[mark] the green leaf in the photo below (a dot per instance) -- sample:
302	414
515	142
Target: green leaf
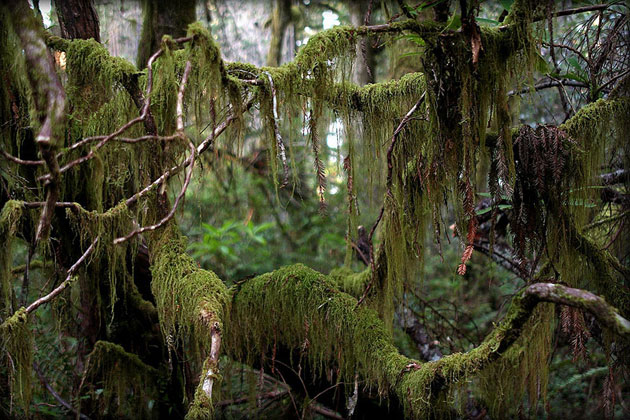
507	4
483	211
491	22
541	64
573	62
454	23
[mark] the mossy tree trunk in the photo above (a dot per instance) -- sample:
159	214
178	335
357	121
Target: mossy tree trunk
280	20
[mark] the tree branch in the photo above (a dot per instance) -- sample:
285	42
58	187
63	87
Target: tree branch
50	296
355	338
49	99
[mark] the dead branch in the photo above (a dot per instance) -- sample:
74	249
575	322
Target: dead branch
213	359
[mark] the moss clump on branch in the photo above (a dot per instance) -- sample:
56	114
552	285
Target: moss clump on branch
189	299
302	309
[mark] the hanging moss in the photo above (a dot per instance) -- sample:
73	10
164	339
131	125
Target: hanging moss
9	223
128	387
523	370
16	343
107	226
301	309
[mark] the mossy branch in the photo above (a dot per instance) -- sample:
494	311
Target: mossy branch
302	309
49	99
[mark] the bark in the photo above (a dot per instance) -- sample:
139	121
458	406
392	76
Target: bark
78	19
364	62
163	17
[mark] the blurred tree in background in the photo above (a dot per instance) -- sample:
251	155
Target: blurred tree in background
444	184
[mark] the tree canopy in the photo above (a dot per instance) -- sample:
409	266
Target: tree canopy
443	164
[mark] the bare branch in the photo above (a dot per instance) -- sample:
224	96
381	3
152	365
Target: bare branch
213	360
50	296
21	161
549	84
55	394
602	311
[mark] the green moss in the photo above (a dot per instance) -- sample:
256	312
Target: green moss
301	309
92	73
127	385
350	282
189	300
202	407
9	223
16	344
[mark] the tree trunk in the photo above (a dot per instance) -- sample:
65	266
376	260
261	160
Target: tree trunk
279	22
78	19
163	17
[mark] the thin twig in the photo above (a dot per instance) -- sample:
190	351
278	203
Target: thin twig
55	394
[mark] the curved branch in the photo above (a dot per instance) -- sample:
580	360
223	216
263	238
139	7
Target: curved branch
306	311
49	99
